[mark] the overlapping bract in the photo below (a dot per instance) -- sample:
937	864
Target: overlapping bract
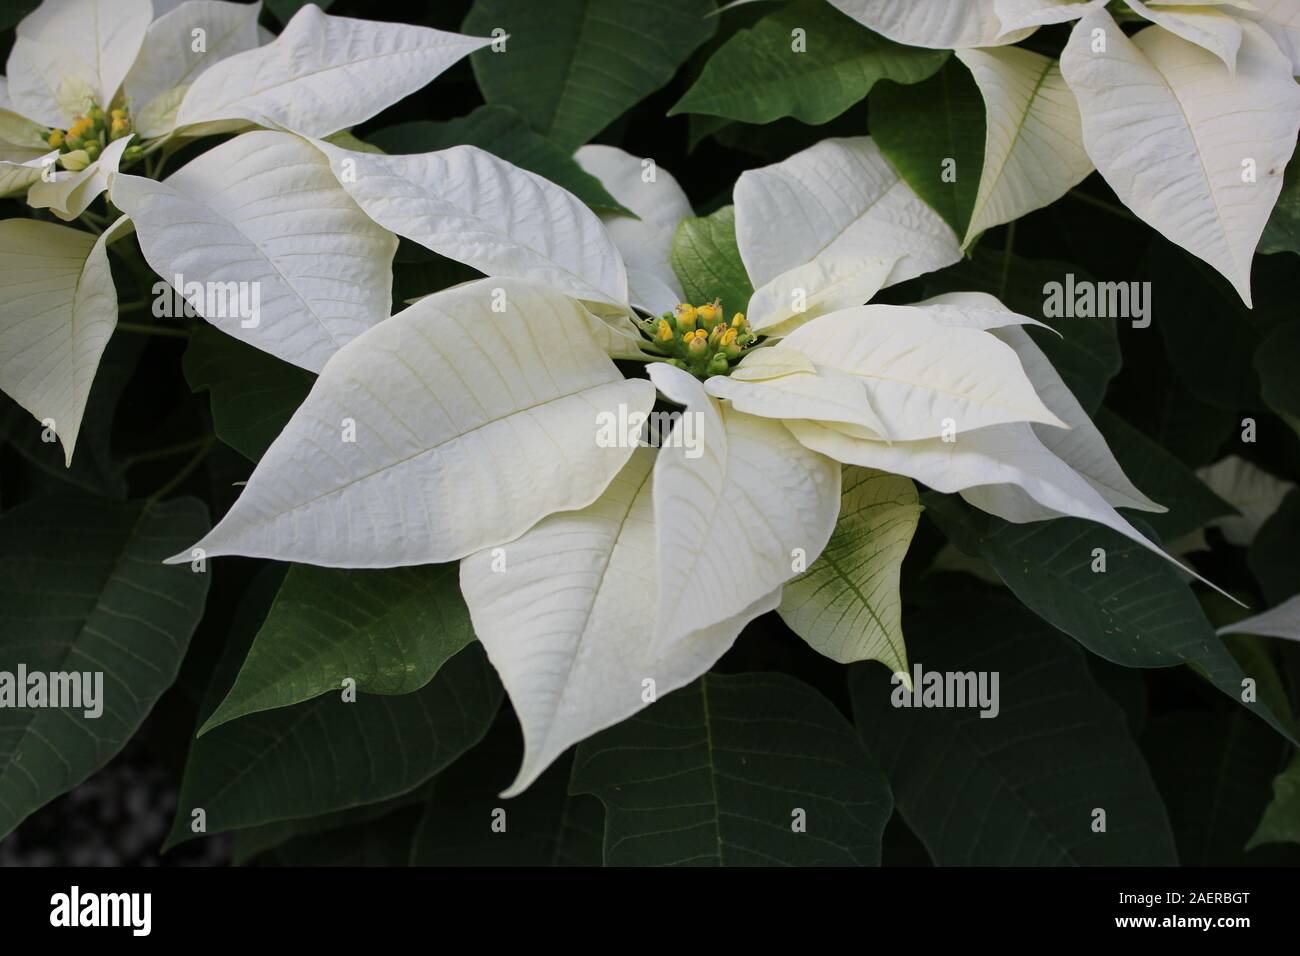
1191	120
261	216
490	426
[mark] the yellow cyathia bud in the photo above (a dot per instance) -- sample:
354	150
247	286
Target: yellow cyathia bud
685	316
55	138
738	321
697	342
120	128
664	333
729	337
75	161
709	314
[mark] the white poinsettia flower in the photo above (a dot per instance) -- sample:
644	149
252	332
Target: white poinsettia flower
489	424
95	86
1191	120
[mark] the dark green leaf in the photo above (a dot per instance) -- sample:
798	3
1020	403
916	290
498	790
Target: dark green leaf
571	67
721	772
253	393
701	127
504	133
328	754
1139	612
707	263
923	126
1020	788
1208	333
1274	557
1281	820
389	630
1215	772
383	842
759	75
1163	478
1188	428
251	842
1278	362
83	589
466	823
1282	234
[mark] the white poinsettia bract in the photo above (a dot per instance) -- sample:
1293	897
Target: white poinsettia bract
616	533
94	88
1191	119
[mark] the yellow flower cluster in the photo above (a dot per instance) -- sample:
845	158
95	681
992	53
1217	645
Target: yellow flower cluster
81	143
698	338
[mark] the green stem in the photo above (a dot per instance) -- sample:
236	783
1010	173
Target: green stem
1006	259
141	328
1096	203
185	471
154	454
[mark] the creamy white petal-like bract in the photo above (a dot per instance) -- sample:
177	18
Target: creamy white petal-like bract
738	516
646	242
262	215
17	175
1280	19
823	395
833	202
169	63
45	90
1254	492
323	74
1081	446
824	285
1020	14
1196	152
847	606
974	310
937	24
68	195
566	614
468	205
20	138
68	48
923	378
1033	140
58	308
1282	621
1004	470
1208	27
454	426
